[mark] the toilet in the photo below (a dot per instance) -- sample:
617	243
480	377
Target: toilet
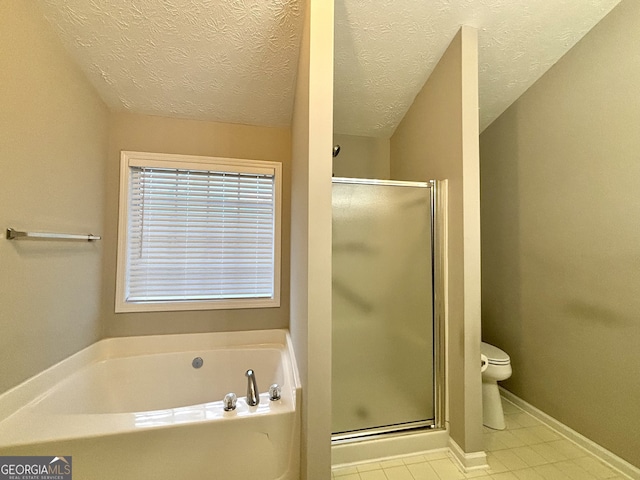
496	366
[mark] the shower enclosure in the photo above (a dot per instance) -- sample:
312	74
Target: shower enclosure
384	335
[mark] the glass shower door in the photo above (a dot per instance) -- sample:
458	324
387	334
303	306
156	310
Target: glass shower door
383	330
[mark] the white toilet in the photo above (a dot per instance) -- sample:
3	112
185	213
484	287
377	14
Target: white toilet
496	366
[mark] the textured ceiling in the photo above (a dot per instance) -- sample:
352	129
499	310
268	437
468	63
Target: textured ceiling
223	60
236	60
386	49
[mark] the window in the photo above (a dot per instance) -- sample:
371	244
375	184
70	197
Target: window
197	233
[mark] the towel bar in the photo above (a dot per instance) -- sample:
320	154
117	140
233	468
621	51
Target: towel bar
17	234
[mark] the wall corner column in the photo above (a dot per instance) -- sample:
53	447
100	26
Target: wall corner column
310	323
438	139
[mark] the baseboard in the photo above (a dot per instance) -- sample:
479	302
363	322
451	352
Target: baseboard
590	446
467	462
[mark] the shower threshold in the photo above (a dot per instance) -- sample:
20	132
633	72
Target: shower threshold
370	433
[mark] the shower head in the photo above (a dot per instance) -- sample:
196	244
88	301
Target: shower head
336	151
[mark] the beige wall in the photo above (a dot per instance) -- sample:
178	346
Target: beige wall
191	137
438	139
560	210
362	157
53	143
311	236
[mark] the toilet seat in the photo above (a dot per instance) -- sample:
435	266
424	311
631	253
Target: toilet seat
494	355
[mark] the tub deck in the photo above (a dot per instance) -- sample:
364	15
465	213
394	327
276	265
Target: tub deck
139	401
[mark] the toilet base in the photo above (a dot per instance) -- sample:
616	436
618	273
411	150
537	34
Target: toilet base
492	413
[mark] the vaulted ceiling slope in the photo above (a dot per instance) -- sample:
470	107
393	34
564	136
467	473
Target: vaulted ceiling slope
235	60
386	49
222	60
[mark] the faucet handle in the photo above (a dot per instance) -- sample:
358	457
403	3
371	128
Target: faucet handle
229	402
275	392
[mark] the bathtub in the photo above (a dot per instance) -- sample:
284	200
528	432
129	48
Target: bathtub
136	407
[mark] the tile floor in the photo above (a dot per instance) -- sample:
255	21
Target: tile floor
526	450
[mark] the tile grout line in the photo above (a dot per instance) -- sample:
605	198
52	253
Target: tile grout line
528	465
619	465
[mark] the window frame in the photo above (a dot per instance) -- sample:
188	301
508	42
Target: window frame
162	160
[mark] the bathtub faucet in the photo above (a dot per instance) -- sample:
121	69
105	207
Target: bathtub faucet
253	398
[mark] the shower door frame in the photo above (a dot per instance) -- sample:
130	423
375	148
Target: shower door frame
439	343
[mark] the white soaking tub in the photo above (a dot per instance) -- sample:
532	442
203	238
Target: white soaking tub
136	407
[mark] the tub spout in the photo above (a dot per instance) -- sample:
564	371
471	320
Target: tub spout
253	397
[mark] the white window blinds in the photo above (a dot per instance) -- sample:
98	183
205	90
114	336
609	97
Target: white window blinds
200	235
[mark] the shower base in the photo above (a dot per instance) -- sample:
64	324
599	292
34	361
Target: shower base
389	445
